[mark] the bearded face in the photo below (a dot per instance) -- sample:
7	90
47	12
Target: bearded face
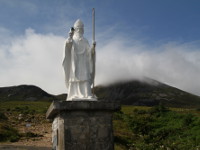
79	31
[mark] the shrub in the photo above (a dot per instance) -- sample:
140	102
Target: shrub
159	109
14	138
2	116
160	128
7	133
30	135
24	110
188	119
119	115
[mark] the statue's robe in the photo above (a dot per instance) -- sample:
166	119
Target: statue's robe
78	63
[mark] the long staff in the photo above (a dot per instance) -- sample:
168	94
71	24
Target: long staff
93	41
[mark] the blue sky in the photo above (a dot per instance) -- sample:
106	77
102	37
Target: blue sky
159	39
164	20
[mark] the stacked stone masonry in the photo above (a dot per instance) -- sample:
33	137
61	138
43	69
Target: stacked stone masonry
82	125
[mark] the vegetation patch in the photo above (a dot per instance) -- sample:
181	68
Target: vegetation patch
8	133
30	135
156	128
3	117
25	107
15	114
134	127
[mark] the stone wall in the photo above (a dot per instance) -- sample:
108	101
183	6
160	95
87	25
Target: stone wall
81	128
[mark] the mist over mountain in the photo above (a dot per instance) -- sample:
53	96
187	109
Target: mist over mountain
147	92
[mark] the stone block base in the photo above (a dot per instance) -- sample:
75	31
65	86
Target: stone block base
82	125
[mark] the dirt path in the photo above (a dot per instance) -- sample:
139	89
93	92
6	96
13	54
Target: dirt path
42	142
22	147
34	129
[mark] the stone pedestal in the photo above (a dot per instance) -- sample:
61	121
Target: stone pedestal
82	125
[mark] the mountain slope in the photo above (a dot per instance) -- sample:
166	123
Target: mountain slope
143	93
147	93
24	92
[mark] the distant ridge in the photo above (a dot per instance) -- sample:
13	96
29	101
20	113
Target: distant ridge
147	93
24	92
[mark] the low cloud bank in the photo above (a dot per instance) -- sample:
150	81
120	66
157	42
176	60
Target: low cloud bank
175	64
37	59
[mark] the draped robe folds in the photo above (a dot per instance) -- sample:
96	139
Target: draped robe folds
78	64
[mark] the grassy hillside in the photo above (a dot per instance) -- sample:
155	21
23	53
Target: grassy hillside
135	127
23	108
157	128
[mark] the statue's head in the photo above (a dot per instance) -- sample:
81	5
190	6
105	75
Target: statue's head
79	27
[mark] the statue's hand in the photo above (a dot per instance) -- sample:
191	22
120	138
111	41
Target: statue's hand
69	40
71	33
93	47
94	44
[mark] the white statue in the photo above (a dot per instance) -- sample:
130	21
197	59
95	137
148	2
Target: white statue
79	64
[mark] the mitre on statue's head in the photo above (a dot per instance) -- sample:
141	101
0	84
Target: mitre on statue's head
78	24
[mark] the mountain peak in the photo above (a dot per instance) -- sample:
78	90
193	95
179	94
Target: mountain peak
147	92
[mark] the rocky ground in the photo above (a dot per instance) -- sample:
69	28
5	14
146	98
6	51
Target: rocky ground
36	130
21	147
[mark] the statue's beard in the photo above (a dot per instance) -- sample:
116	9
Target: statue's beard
78	34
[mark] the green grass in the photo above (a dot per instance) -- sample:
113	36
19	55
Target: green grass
9	113
127	109
8	133
23	106
134	127
156	128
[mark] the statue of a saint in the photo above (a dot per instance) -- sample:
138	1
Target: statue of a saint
79	64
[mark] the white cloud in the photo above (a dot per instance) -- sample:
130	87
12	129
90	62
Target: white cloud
33	59
173	63
36	59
